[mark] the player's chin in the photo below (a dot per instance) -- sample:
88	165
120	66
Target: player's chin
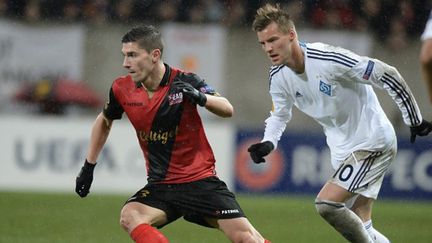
276	62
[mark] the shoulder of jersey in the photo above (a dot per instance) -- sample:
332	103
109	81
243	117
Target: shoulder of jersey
274	70
123	79
191	78
324	52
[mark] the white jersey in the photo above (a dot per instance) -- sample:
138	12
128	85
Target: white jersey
427	33
336	90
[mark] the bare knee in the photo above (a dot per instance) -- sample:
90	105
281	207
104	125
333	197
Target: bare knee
127	218
134	214
131	217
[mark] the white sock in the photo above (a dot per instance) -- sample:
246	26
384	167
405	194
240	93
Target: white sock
376	236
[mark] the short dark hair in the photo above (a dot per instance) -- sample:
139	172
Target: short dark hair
272	13
148	37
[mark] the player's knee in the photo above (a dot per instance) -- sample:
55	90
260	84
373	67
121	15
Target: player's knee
128	218
328	209
125	219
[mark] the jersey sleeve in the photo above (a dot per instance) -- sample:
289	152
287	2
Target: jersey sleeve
112	109
379	74
198	83
281	112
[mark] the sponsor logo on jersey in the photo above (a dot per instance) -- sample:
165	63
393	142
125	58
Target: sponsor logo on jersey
133	103
227	211
325	88
369	69
157	135
175	98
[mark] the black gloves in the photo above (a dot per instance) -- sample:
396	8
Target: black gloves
84	179
259	150
423	129
194	95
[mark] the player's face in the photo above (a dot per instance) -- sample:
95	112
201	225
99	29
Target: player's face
138	61
276	44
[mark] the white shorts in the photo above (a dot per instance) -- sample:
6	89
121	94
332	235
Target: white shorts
363	171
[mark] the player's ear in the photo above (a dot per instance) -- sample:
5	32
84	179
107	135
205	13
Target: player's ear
292	34
156	55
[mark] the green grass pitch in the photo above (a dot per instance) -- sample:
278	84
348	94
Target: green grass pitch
42	217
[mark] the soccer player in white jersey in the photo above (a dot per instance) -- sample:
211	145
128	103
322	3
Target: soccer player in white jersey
426	55
335	87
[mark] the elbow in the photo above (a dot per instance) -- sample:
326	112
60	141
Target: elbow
229	112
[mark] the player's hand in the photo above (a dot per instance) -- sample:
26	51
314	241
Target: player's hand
259	150
193	94
84	179
423	129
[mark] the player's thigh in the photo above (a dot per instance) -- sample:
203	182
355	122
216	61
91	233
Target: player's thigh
135	213
360	173
235	226
335	193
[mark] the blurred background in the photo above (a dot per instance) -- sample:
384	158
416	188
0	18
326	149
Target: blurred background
58	59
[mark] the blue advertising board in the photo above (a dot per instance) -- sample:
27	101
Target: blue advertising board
301	165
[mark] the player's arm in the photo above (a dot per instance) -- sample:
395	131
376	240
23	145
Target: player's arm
99	134
426	64
384	76
219	106
275	124
199	92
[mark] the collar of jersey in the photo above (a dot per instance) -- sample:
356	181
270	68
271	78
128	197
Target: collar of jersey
165	78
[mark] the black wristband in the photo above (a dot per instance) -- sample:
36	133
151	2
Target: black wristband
203	99
88	166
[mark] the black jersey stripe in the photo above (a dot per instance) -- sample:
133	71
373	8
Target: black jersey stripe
361	174
350	62
332	59
335	53
369	163
410	101
358	175
403	94
275	69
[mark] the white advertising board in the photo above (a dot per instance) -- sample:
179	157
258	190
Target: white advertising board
45	154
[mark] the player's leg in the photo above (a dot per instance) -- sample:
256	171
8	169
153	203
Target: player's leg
209	202
138	220
330	204
363	208
360	173
240	230
148	208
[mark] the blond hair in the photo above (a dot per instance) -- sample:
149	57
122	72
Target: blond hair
272	13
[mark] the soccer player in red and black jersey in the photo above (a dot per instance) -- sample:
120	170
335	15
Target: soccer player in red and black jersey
161	103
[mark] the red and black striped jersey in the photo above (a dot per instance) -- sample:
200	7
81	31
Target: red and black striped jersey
168	127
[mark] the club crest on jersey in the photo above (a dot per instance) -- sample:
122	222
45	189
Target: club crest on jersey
175	98
325	88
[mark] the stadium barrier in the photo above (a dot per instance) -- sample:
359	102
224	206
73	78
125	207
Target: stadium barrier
46	153
301	165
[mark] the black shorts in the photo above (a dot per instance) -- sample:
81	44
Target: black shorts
195	201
